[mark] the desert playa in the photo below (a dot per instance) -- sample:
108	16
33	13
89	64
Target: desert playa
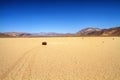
63	58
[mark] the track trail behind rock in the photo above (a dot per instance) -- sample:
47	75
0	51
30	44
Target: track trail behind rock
22	66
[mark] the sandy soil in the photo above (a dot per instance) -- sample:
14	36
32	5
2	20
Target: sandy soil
71	58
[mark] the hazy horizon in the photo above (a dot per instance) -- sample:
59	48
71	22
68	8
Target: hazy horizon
57	32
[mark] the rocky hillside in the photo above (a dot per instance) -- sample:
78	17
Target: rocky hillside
99	32
88	31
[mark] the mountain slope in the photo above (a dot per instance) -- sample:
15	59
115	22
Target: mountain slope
88	31
99	32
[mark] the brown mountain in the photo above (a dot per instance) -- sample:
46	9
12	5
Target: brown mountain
99	32
89	31
111	32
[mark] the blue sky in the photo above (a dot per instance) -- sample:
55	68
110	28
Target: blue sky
62	16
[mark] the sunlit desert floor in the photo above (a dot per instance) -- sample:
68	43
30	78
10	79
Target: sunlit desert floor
63	58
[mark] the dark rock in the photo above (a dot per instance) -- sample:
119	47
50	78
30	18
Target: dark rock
44	43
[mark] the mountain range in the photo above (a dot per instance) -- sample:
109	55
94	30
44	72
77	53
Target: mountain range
115	31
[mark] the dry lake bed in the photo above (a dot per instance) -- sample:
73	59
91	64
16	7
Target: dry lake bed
63	58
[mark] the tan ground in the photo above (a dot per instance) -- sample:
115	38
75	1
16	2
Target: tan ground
72	58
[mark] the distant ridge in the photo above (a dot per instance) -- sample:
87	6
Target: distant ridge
4	35
115	31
